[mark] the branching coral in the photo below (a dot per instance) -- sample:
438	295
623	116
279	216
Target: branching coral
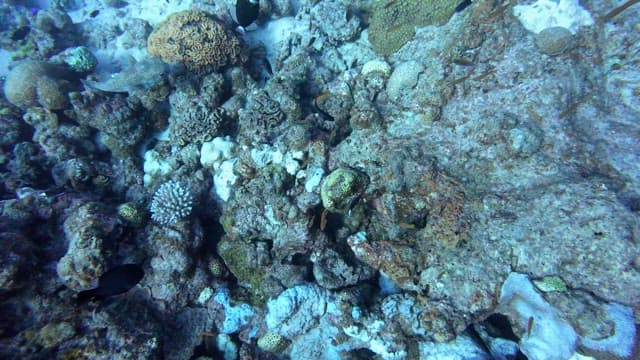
171	203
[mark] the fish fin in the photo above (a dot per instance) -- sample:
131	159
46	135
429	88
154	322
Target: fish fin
88	83
129	61
251	27
234	15
463	5
84	297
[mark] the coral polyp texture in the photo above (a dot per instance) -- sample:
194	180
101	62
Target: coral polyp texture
195	39
171	203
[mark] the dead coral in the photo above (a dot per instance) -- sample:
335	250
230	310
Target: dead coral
194	38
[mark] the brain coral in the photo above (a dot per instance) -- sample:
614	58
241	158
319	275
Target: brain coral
197	124
194	38
393	22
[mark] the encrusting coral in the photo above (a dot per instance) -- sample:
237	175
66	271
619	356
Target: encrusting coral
393	22
194	38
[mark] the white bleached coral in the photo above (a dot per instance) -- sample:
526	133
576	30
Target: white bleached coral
171	203
544	14
217	155
550	336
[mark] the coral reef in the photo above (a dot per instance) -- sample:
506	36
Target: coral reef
60	141
334	20
17	257
196	116
200	126
341	180
194	38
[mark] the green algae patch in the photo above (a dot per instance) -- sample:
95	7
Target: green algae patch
240	259
393	22
341	188
550	283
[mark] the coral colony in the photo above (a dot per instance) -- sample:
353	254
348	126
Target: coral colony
319	179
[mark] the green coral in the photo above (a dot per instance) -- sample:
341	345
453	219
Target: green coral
341	188
393	22
81	60
226	220
236	256
54	334
25	49
272	342
132	214
551	283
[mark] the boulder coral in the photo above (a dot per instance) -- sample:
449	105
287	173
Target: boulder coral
196	39
36	83
341	188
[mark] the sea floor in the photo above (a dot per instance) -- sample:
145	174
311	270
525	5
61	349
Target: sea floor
333	179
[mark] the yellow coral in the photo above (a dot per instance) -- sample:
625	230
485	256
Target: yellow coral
194	38
272	342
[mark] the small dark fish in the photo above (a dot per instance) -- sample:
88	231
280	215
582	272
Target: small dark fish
247	11
388	4
115	281
20	33
94	13
463	5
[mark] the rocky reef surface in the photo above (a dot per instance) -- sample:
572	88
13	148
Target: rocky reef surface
386	179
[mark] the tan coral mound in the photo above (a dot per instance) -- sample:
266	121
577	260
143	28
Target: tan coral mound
36	83
197	40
